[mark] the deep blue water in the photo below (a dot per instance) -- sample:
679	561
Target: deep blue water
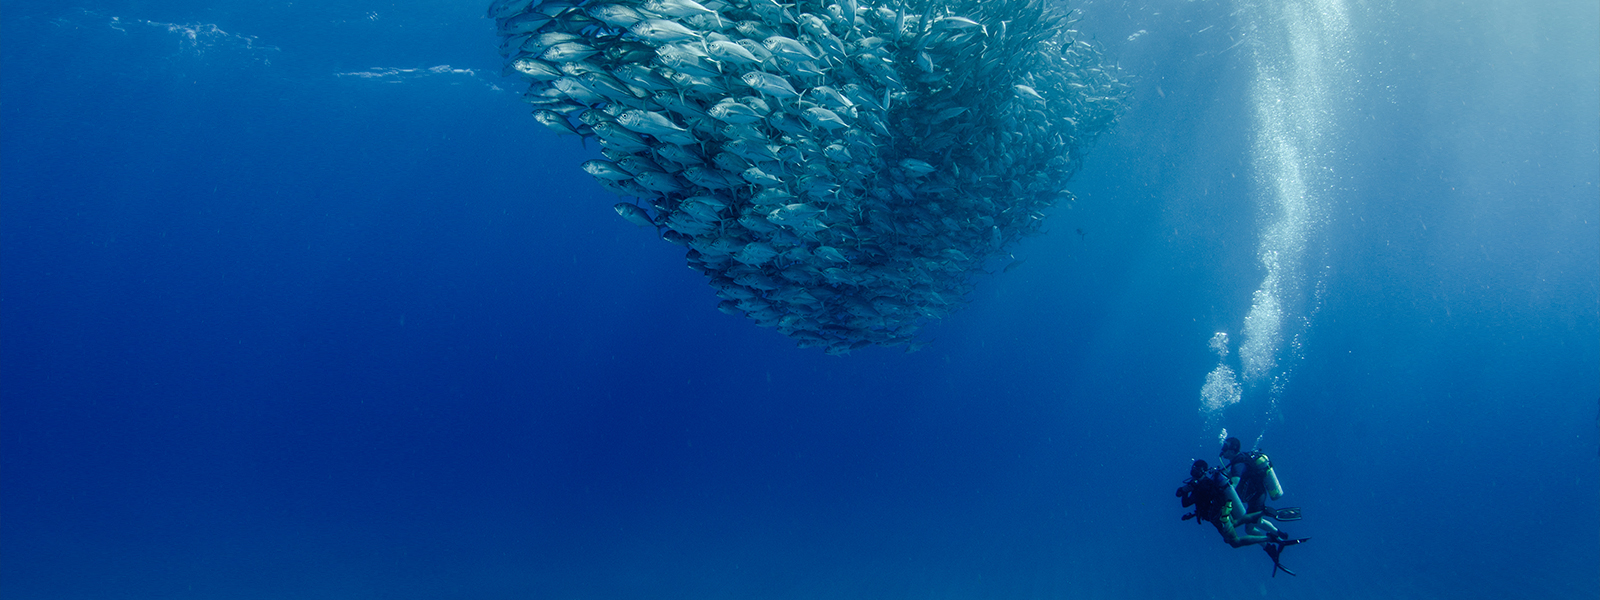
291	309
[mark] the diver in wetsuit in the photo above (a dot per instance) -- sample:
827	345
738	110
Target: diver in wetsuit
1215	500
1252	476
1251	472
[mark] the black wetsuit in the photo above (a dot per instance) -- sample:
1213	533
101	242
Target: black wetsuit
1208	495
1252	486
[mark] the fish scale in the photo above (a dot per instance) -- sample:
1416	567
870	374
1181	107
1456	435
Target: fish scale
861	161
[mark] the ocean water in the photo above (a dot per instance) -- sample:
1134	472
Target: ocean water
297	301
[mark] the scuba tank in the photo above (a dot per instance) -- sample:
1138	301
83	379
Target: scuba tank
1269	479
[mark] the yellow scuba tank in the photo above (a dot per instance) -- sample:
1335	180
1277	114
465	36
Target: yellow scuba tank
1269	479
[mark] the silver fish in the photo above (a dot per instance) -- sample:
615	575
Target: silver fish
524	23
536	69
917	167
658	181
756	223
802	68
707	178
755	49
755	30
731	111
678	154
702	210
730	162
615	15
752	151
653	123
954	22
789	48
608	86
642	77
824	118
679	8
731	52
744	132
769	84
662	31
614	134
831	98
638	164
755	253
606	170
686	224
568	52
687	107
677	59
575	90
503	9
830	254
762	178
696	84
554	121
634	214
837	152
772	197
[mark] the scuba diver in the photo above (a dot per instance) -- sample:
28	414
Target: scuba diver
1252	476
1216	501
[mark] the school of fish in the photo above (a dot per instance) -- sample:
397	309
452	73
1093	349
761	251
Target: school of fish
839	170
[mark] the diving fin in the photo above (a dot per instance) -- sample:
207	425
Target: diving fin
1274	549
1291	513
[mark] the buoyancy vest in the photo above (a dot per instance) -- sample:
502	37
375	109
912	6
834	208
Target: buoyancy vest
1253	481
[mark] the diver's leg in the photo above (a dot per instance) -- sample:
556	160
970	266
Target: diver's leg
1255	510
1231	535
1240	541
1263	527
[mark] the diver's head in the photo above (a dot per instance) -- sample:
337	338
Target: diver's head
1198	469
1230	448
